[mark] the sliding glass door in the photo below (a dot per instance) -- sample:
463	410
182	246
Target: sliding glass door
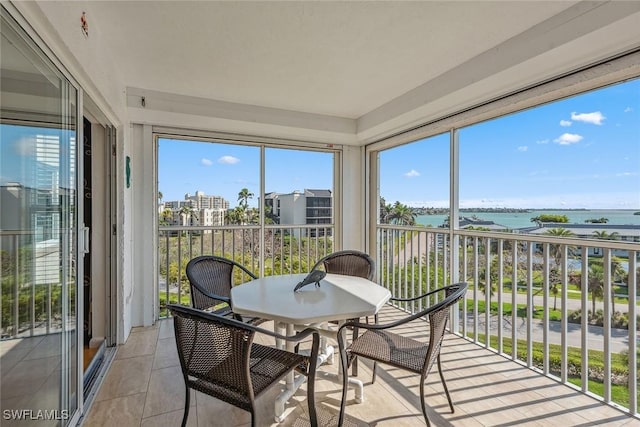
38	236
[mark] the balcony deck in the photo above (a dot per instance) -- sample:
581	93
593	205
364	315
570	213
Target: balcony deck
144	386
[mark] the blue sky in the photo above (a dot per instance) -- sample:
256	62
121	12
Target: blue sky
224	169
581	152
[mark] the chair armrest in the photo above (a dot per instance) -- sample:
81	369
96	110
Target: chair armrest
454	293
315	346
245	270
371	326
210	295
293	338
414	298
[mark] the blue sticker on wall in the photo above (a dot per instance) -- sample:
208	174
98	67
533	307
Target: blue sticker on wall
128	171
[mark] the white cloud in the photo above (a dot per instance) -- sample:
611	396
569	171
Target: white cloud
206	162
523	148
594	118
25	146
568	139
228	160
628	110
608	200
412	173
542	141
565	123
628	174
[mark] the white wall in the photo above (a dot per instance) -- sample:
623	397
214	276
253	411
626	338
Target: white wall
142	238
125	287
352	199
86	58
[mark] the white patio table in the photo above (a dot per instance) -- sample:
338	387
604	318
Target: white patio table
338	298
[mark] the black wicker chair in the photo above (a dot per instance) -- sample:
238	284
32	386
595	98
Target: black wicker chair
349	263
218	357
380	344
211	279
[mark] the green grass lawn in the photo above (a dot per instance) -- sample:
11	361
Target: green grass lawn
573	292
173	299
507	310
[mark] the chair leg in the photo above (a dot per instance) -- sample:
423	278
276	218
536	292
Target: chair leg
375	364
422	402
444	384
344	365
187	403
354	362
311	384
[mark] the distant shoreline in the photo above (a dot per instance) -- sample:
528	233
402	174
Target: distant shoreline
516	219
440	211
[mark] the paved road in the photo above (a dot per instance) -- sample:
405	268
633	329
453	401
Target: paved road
595	335
538	300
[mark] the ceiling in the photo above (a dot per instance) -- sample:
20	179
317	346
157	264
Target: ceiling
360	69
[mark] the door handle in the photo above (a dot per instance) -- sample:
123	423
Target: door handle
86	235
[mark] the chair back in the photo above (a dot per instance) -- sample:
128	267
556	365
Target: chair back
438	315
214	354
210	274
349	263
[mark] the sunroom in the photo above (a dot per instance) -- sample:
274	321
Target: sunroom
273	133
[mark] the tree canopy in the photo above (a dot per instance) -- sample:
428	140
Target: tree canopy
546	218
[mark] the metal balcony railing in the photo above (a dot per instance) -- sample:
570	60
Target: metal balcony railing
32	278
565	307
279	250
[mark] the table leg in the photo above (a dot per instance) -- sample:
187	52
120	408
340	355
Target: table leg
357	384
292	381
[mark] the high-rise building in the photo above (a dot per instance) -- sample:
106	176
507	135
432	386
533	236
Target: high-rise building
306	207
202	210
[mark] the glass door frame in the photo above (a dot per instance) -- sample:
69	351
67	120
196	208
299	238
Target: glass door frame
43	50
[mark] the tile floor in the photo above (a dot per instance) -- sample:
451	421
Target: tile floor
144	387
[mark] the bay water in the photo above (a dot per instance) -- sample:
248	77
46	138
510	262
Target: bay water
515	220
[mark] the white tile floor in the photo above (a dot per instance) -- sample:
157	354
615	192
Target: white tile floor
144	387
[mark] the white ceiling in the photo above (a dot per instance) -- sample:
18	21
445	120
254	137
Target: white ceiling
361	68
340	59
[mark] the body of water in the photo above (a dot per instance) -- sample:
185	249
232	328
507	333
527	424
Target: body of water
523	219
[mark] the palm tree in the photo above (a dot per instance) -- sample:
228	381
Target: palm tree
186	211
603	235
165	217
385	211
556	252
269	217
228	217
252	215
243	198
555	249
237	215
401	215
596	285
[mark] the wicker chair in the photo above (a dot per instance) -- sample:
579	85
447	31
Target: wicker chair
218	357
380	344
211	279
349	263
